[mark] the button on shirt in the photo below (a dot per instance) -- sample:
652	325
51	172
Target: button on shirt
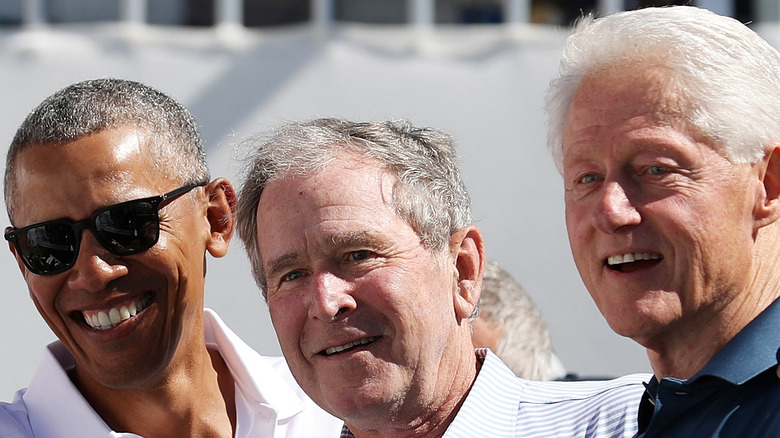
269	404
737	394
500	404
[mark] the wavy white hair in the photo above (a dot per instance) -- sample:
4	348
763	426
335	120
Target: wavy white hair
726	75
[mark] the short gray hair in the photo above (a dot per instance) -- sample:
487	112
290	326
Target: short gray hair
727	76
429	193
525	344
92	106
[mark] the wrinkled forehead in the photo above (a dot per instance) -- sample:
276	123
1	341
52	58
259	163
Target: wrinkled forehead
616	97
632	82
329	169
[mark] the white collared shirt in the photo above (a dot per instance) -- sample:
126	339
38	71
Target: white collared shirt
269	404
501	404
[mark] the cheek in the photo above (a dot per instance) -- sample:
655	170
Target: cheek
172	251
578	239
429	311
44	296
286	317
575	220
42	290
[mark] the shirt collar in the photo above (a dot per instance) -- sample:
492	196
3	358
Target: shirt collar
492	372
496	411
647	406
257	380
753	350
54	404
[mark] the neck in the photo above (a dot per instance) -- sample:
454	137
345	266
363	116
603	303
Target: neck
195	399
430	421
683	350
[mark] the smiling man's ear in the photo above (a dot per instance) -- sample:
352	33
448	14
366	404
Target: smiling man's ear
468	251
221	214
767	208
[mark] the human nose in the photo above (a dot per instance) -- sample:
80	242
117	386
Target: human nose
615	209
95	266
331	298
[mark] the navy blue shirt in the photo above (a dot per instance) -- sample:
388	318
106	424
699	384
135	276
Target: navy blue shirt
737	394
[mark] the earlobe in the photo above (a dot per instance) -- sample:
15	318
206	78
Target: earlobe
767	210
221	215
467	247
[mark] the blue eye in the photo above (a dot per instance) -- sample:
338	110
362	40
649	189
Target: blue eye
294	275
358	255
589	178
657	170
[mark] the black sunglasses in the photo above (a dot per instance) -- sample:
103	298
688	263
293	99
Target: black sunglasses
123	229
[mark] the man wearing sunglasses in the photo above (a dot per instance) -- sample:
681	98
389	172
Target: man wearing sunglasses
113	212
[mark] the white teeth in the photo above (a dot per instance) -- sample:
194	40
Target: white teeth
363	341
105	320
631	257
113	315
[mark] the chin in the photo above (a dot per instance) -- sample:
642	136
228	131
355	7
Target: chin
132	377
629	322
638	327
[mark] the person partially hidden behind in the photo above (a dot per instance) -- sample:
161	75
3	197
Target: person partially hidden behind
665	123
113	213
511	325
360	237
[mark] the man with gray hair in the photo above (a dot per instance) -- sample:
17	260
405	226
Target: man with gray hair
113	214
360	237
665	124
511	325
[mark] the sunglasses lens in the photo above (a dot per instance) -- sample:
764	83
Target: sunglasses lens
123	229
128	228
48	248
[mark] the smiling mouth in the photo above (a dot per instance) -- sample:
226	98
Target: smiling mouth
632	261
330	351
110	318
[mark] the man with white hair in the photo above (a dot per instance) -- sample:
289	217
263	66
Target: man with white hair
665	124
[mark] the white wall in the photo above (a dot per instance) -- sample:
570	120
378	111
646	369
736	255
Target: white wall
477	84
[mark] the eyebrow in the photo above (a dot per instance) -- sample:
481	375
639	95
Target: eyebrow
353	238
361	238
